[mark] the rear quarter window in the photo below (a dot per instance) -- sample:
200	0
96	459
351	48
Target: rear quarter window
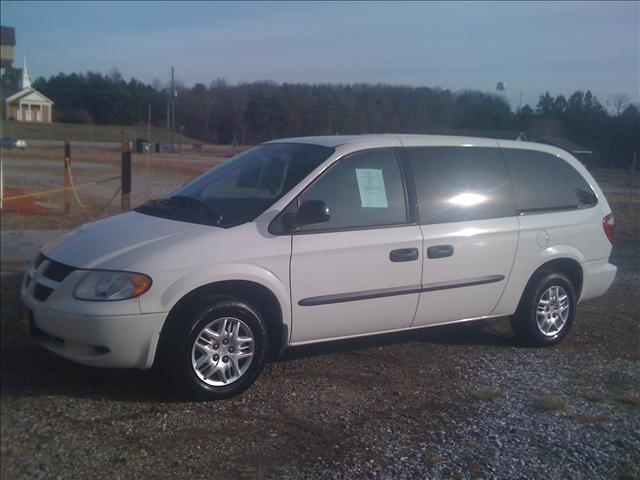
455	184
543	182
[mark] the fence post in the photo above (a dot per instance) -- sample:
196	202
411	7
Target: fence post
67	177
126	176
1	183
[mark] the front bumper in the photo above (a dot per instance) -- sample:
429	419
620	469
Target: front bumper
113	341
100	334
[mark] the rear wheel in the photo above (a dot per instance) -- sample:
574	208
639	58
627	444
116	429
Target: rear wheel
546	311
218	351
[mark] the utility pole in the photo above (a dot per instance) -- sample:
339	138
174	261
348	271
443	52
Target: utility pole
173	110
149	127
520	105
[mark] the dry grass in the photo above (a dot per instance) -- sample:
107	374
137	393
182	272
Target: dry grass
629	475
618	381
627	216
594	397
629	400
486	394
550	403
600	420
86	132
476	469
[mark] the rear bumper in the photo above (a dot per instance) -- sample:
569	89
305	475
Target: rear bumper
597	278
112	341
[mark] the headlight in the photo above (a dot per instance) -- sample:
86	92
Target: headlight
108	286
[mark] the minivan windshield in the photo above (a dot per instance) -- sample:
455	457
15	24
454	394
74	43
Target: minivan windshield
239	190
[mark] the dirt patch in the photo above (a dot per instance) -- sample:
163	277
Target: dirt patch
21	206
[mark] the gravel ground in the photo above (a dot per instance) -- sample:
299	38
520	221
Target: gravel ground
455	402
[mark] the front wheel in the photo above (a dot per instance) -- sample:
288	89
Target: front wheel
546	311
218	352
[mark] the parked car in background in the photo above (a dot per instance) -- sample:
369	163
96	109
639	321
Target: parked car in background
13	142
313	239
142	145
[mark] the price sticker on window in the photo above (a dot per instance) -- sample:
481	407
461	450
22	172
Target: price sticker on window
371	187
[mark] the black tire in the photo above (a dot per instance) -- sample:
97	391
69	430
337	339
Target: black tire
179	341
525	321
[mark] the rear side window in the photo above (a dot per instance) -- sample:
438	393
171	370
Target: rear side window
543	182
455	184
363	190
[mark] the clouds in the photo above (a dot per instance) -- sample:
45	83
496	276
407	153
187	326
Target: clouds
534	47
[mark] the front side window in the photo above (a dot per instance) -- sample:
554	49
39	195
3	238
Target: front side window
544	182
455	184
363	190
239	190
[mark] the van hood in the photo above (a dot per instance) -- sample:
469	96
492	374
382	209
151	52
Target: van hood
113	243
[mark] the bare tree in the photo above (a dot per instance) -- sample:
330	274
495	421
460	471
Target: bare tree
619	101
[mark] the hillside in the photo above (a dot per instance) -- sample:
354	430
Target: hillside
85	132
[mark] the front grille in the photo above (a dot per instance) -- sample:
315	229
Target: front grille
57	271
41	293
45	277
41	258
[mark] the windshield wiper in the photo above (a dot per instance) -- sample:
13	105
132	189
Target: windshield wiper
188	203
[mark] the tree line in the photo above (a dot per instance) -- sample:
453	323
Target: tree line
249	113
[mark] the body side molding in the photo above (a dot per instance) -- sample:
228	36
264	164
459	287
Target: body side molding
390	292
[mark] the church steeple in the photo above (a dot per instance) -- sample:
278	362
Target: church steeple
25	81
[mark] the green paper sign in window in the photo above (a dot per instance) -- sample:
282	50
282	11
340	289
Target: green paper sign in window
371	187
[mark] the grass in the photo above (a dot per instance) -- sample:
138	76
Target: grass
86	133
594	397
486	394
627	216
629	400
629	475
599	420
550	403
476	469
625	399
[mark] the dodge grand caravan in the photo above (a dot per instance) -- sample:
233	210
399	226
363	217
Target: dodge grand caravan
311	239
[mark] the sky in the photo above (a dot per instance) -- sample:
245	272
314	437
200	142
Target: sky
533	47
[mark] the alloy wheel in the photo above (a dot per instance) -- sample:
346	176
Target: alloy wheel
223	351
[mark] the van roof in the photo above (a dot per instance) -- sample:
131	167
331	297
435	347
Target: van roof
334	141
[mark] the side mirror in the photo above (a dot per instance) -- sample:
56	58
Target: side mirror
311	211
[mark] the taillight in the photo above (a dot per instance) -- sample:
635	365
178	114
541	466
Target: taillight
609	225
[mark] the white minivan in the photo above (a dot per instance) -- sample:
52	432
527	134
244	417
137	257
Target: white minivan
312	239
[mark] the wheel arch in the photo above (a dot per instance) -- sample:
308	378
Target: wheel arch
567	266
255	294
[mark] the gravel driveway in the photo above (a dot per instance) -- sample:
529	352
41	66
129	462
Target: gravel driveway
455	402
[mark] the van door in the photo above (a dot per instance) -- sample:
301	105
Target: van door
360	271
467	218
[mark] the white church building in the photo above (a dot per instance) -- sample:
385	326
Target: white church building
28	104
